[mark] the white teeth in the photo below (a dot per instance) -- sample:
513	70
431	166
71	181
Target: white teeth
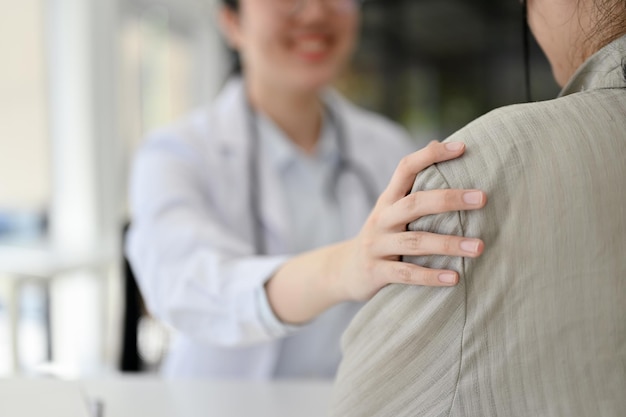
312	46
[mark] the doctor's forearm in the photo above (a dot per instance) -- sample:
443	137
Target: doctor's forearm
307	285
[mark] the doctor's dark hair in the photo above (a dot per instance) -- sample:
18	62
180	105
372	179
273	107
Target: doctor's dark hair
232	4
236	67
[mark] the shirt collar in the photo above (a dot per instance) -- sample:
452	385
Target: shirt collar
283	152
604	69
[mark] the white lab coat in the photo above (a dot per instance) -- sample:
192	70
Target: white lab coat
191	239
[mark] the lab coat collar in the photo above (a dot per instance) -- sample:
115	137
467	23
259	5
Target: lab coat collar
231	106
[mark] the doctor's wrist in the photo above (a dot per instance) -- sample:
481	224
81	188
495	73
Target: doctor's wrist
338	273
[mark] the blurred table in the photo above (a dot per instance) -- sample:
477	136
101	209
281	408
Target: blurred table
132	397
38	397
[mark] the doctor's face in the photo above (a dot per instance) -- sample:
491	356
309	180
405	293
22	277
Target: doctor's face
295	44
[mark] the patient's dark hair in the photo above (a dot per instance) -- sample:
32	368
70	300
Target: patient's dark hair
236	67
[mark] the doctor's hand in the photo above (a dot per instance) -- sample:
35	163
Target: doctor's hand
355	270
372	259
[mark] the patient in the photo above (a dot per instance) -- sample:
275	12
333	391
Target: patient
537	326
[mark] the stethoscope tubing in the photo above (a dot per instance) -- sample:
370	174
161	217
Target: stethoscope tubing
344	165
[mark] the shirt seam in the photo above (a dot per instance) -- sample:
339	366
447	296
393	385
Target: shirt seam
456	384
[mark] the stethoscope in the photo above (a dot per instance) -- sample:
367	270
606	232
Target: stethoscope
343	166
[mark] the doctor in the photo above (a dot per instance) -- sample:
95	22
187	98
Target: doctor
257	227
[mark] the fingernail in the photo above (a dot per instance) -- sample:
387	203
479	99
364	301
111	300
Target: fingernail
470	246
454	146
473	197
447	278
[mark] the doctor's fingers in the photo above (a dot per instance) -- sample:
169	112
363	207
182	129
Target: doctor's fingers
395	272
424	203
411	165
424	243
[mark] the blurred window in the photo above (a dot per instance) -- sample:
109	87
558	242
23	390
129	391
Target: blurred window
24	141
156	73
436	65
5	332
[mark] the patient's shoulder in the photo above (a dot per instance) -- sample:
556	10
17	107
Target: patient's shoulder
514	139
559	119
514	123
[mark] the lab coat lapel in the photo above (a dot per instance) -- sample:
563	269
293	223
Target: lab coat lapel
227	123
233	132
